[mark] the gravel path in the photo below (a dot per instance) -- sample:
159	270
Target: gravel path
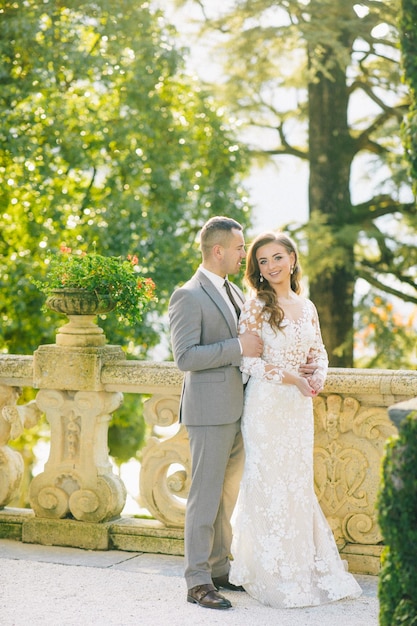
44	586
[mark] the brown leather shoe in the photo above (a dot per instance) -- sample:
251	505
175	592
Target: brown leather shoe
223	581
207	596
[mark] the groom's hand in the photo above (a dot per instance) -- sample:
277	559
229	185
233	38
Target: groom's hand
307	369
252	344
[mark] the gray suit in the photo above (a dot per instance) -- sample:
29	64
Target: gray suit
206	348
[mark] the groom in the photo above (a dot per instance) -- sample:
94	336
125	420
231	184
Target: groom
203	321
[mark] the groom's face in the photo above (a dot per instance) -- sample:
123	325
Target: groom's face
234	252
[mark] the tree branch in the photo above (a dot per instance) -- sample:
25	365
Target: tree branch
379	206
370	278
87	191
280	151
285	148
397	111
363	141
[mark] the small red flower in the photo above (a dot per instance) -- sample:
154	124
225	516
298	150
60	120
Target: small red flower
133	259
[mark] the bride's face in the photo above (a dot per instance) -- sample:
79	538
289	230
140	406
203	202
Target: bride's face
275	263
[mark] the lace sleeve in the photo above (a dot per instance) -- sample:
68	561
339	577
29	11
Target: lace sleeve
251	320
318	354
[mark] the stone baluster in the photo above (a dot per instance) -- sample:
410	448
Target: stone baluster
13	420
77	480
166	464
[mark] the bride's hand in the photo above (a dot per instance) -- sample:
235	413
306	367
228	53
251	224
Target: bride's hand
306	389
316	382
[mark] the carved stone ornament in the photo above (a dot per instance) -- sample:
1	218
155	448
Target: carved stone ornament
349	443
13	420
166	465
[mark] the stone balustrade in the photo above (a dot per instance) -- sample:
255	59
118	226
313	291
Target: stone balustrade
77	500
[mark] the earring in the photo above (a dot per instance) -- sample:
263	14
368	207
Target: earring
261	278
291	270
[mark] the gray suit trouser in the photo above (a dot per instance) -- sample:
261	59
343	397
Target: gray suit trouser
217	464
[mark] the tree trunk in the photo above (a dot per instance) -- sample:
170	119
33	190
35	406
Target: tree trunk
331	153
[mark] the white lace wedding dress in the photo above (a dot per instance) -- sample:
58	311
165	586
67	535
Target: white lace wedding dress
283	548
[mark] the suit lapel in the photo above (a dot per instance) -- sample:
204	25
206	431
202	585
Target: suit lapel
218	299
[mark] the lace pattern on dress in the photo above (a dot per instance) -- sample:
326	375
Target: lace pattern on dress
287	348
283	548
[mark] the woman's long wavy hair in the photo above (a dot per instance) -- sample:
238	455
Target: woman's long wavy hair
263	290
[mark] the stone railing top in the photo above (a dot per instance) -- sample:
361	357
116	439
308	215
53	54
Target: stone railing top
16	370
142	377
383	387
373	386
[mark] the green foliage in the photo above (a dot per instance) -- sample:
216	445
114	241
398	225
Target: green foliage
397	514
317	264
389	587
104	138
115	277
385	338
127	429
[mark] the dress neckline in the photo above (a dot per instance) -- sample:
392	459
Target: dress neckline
300	318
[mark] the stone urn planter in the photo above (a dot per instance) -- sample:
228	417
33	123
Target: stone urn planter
79	302
82	285
81	306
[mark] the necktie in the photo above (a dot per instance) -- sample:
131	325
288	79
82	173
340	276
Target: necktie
231	298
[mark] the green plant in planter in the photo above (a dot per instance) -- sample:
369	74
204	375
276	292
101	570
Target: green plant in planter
397	516
109	277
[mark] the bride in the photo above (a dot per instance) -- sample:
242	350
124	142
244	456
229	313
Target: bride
284	551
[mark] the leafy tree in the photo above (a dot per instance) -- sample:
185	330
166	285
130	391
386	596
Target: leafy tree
106	140
320	81
106	144
386	335
127	430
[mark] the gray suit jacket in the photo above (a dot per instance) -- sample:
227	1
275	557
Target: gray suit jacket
206	348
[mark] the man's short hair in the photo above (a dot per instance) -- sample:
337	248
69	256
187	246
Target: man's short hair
216	230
